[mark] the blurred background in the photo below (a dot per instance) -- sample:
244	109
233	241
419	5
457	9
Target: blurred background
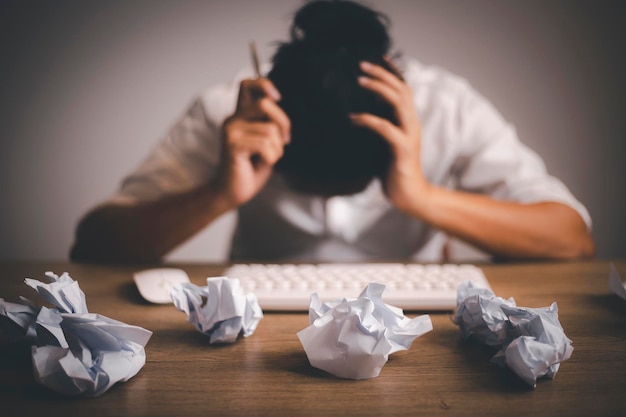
88	87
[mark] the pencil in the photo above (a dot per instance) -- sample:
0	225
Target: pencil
255	59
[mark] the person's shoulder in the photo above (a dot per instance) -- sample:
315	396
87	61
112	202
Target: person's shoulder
433	79
437	87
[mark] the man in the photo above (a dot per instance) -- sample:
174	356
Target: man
337	155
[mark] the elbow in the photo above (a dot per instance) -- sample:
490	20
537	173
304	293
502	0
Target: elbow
580	246
585	247
87	247
101	252
100	239
576	241
92	242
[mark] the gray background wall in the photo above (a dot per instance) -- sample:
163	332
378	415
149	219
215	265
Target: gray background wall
87	88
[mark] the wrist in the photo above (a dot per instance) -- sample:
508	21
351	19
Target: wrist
423	204
218	197
416	201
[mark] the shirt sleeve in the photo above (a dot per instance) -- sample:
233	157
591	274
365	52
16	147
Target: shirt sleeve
491	160
187	157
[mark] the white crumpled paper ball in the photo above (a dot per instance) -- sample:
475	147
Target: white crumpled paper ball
353	338
220	309
532	341
74	352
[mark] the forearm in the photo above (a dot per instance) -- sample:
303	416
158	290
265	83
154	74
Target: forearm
145	232
507	229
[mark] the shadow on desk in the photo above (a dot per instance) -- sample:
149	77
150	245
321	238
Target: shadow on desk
16	366
129	292
296	362
476	359
492	377
610	302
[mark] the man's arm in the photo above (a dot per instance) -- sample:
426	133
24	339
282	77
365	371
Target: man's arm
253	137
145	232
504	229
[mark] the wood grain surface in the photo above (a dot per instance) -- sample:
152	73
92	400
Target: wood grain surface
268	374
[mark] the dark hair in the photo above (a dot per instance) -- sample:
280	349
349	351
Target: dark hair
316	74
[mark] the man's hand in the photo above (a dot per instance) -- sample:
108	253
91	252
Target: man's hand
503	228
254	138
405	184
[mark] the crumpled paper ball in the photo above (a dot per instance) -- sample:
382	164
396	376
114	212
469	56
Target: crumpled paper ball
353	338
479	313
17	320
62	291
75	352
532	341
86	353
220	309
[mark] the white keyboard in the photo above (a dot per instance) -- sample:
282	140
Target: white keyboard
409	286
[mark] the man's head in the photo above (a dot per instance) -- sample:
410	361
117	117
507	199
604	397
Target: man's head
316	74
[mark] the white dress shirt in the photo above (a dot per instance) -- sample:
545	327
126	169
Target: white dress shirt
466	145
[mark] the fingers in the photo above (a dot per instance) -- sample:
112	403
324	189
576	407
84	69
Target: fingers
379	73
392	89
276	115
383	127
250	90
258	102
255	138
387	92
394	68
259	129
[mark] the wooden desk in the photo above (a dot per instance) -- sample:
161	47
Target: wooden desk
268	373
